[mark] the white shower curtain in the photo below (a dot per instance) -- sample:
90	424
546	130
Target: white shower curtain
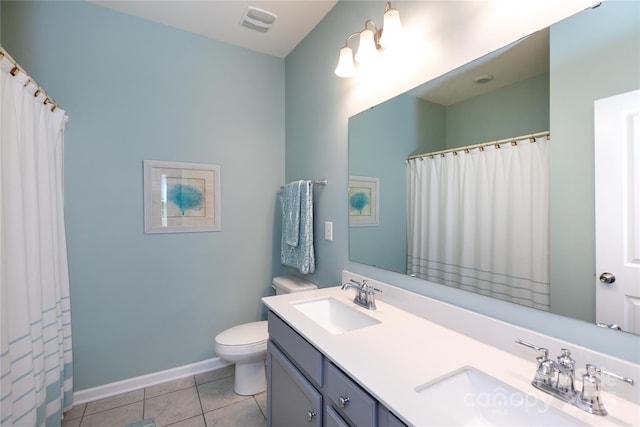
479	221
35	322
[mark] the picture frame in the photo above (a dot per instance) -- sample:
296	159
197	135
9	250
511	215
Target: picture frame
181	197
364	201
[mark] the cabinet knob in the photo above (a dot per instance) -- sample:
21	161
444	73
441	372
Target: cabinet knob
311	415
343	401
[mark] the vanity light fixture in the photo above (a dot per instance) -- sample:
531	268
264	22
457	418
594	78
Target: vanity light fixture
372	40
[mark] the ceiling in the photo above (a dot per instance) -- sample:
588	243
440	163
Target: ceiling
220	20
521	60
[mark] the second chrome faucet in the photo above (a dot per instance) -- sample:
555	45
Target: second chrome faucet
365	293
557	378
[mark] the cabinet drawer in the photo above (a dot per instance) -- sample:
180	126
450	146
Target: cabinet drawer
351	401
292	400
303	354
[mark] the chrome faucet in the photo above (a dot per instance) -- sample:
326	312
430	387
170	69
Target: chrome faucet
566	368
558	378
365	293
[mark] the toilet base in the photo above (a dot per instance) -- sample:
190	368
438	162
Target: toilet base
250	378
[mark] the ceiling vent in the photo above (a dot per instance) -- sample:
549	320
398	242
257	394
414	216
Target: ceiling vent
257	19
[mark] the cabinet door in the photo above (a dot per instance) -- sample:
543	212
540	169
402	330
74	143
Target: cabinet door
292	400
387	419
332	419
395	422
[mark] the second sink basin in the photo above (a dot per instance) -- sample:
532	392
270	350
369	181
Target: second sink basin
335	316
469	397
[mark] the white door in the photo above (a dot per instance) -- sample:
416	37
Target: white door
617	161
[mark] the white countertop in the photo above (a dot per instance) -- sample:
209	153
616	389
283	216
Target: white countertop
403	351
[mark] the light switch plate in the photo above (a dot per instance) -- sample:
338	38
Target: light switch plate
328	230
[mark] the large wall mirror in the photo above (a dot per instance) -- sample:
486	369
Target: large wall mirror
545	82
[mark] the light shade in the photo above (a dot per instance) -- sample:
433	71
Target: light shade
367	48
392	31
345	67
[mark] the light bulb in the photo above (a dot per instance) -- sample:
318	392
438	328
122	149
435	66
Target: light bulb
345	67
392	31
367	48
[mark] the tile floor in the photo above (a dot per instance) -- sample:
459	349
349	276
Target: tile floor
203	400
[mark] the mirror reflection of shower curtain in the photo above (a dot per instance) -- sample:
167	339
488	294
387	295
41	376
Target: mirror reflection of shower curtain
35	354
479	221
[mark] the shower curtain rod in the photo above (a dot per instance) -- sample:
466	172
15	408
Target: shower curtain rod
17	68
532	138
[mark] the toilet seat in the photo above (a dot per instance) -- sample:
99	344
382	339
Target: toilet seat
248	337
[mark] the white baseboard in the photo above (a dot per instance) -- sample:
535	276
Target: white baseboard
130	384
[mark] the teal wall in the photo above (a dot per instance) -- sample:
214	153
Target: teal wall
518	109
318	107
137	90
578	64
379	140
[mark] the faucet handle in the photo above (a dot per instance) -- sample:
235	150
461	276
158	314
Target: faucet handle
610	374
536	348
371	290
590	399
546	367
593	369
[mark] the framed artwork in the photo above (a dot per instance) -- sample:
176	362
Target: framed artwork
181	197
364	200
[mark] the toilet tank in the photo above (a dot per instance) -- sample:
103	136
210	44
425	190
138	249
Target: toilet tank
290	284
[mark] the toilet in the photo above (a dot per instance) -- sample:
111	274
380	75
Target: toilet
246	344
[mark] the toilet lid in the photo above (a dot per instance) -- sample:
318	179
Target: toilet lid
248	333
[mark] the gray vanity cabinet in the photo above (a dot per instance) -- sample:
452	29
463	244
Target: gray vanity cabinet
292	400
306	389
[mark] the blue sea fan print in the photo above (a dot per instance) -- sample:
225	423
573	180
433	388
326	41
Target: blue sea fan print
185	197
359	201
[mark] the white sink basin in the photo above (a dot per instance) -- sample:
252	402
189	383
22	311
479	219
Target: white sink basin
469	397
335	316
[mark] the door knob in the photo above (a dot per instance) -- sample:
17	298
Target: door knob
609	326
607	278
